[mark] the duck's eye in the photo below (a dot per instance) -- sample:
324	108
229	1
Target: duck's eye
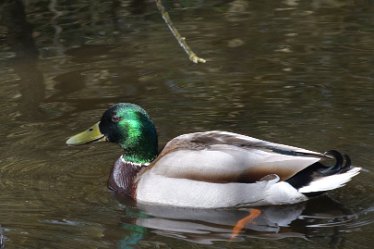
115	119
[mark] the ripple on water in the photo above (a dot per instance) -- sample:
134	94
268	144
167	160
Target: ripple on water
57	211
2	243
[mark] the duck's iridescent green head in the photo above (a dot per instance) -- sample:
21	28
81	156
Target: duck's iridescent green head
127	125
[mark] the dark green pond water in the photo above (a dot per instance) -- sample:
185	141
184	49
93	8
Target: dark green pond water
294	72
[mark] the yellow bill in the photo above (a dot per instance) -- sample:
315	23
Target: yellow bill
92	134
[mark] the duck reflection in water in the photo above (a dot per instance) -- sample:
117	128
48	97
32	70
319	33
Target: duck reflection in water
206	226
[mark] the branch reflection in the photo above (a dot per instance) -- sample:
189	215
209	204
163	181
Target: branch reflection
20	39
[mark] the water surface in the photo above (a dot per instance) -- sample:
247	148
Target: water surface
294	72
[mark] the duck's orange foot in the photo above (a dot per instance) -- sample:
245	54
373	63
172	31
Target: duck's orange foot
253	214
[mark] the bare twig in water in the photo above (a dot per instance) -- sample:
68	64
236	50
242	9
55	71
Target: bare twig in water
181	40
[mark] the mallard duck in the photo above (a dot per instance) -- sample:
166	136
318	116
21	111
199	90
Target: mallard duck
212	169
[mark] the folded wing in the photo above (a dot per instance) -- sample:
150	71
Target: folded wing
223	157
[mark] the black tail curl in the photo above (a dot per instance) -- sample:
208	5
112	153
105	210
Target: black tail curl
342	163
319	169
